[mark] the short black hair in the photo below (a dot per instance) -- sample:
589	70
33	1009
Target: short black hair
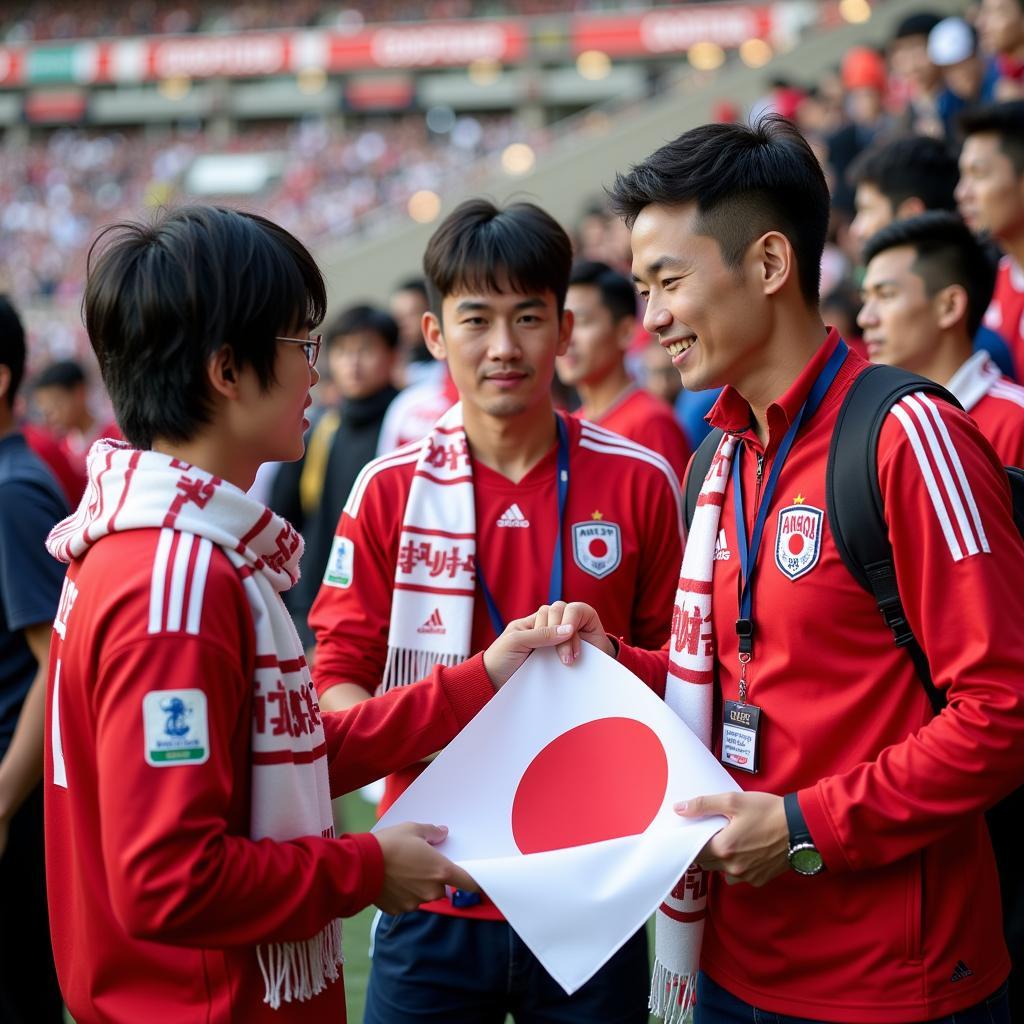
947	253
1006	120
66	374
914	165
618	295
745	180
918	24
161	299
363	317
12	346
412	284
479	247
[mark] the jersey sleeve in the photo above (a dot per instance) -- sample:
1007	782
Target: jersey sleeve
663	435
350	614
30	578
177	869
659	525
959	563
403	726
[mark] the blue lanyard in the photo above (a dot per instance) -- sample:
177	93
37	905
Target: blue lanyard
555	584
748	551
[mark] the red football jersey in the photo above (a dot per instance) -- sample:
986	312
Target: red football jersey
892	794
612	481
647	420
1005	314
158	897
995	403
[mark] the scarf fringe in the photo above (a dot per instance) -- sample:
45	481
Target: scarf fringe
301	970
672	995
405	666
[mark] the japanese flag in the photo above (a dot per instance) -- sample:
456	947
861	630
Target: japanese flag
558	798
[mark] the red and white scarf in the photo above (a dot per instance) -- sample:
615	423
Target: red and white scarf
130	490
679	924
435	575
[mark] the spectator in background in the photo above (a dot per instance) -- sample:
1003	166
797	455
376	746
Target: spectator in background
991	200
914	81
61	393
660	377
603	304
407	305
1001	28
30	587
926	286
904	177
362	348
968	76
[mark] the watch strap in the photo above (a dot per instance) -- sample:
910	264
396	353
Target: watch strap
795	822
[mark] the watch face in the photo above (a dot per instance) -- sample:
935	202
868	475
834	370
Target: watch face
806	860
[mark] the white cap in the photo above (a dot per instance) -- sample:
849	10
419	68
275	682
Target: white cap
950	42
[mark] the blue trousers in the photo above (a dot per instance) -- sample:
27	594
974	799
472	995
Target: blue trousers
454	970
716	1006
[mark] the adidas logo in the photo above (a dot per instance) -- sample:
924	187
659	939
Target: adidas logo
722	552
513	516
433	624
961	971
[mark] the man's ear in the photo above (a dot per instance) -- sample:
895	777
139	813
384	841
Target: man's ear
5	383
910	207
625	332
775	261
223	372
950	305
433	336
565	331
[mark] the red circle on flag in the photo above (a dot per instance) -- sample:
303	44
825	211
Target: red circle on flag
598	548
796	544
599	780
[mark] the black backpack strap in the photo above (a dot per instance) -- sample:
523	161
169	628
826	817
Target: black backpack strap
854	500
699	466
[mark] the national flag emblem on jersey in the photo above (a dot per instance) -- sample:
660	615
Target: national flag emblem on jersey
597	547
798	539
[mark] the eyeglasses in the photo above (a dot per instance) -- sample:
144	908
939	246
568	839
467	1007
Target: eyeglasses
310	346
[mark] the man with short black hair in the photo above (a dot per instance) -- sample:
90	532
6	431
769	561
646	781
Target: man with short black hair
926	286
504	505
603	305
905	177
193	867
990	196
30	581
861	811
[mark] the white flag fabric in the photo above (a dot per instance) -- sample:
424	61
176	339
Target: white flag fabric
558	799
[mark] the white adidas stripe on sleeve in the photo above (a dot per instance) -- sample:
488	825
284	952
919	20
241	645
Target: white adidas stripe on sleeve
923	427
158	580
401	457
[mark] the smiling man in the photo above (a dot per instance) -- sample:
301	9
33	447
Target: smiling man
926	286
862	811
505	505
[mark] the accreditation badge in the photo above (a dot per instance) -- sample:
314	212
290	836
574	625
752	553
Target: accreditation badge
741	725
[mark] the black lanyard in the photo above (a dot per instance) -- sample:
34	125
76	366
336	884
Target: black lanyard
748	551
555	583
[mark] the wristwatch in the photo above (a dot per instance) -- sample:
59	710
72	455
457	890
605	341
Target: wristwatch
804	857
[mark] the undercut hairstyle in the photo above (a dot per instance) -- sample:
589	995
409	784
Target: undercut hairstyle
745	180
481	248
1005	120
162	299
360	319
618	295
65	374
946	253
904	168
12	346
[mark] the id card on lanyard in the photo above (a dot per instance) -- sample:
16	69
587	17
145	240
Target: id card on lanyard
555	579
741	721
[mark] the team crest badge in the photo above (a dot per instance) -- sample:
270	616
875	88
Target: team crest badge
798	540
597	547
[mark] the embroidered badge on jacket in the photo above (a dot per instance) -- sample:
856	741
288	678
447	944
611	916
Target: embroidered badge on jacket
798	539
597	547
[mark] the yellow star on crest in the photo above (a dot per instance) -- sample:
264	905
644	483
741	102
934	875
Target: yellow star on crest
799	499
596	515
